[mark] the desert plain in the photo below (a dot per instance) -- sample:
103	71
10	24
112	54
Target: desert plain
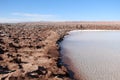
31	51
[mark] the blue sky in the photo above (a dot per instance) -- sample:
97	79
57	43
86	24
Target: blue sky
59	10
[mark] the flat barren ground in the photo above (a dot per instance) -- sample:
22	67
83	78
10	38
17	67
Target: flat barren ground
30	51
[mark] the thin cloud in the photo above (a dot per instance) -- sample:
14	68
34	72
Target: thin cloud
28	17
15	20
9	20
32	15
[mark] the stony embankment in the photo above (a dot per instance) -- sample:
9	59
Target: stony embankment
29	53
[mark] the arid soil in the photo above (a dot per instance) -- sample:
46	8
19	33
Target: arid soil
30	51
30	54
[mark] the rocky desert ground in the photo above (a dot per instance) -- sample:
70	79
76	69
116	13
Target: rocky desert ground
31	51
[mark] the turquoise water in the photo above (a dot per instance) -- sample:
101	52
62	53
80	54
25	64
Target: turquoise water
93	55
